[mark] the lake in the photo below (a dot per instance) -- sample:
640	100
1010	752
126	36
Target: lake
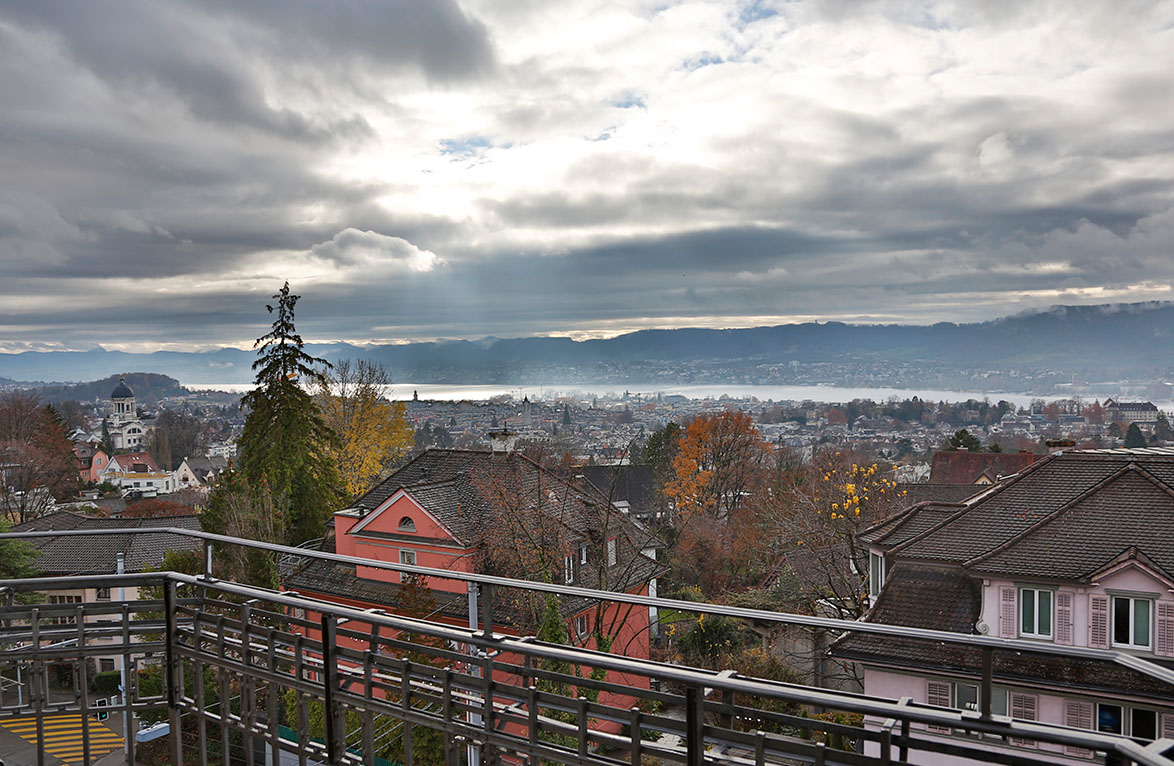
777	393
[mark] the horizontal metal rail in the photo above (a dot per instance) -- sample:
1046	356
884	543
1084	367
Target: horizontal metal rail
267	664
1133	662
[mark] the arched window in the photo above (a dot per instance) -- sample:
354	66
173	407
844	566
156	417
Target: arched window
407	525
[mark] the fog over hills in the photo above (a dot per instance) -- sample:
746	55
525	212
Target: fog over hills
1082	344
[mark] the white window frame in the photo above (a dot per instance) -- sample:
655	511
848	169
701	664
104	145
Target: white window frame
1131	642
876	573
407	556
568	568
612	552
582	553
582	626
1031	597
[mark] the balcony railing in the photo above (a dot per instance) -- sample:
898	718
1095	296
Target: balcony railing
248	675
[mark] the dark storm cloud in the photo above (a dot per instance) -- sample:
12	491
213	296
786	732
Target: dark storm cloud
429	168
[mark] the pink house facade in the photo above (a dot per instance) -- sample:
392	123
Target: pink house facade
1077	550
441	511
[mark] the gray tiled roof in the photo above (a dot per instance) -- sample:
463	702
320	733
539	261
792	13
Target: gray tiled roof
1130	510
910	523
1017	505
97	554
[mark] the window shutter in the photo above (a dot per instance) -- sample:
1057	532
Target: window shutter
1064	617
1023	707
1165	633
1098	622
1077	715
1007	608
1167	729
938	693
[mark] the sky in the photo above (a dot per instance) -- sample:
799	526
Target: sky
442	169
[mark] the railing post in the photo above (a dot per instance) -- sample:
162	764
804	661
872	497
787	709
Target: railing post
486	603
208	559
172	659
984	696
694	726
334	747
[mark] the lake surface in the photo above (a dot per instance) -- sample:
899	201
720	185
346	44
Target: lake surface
829	394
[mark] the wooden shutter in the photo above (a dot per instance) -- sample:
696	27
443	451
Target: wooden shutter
1164	645
1077	715
939	693
1098	622
1023	707
1064	617
1166	726
1007	609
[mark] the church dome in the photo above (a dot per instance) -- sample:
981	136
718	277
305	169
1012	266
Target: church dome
122	390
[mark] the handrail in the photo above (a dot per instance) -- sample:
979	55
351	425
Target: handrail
691	677
1129	661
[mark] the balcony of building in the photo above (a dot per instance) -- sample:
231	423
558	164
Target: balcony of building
230	673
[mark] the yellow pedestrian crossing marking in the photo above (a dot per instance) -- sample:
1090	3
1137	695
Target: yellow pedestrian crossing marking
64	739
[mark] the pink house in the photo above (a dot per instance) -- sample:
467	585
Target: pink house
1077	550
491	512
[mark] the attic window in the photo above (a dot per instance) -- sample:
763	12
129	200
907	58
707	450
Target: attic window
407	525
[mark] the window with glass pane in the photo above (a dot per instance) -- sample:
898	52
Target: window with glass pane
1109	718
1131	622
966	696
1035	613
876	573
1144	724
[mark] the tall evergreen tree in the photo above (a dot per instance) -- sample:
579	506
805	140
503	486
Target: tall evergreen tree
286	444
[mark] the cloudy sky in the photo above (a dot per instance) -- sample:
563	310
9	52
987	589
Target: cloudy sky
462	168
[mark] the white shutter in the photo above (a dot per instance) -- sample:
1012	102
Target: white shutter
1007	609
1064	617
1098	622
1023	707
939	693
1165	632
1077	715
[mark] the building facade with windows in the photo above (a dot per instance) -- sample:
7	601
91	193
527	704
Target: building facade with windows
491	513
1077	550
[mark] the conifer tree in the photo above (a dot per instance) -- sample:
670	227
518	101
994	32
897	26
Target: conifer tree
286	444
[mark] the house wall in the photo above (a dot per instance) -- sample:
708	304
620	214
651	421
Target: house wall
1127	578
433	545
1051	708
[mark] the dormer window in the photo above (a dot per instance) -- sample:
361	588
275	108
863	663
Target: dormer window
1035	613
1131	622
407	525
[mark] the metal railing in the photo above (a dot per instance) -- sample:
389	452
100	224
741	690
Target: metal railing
244	674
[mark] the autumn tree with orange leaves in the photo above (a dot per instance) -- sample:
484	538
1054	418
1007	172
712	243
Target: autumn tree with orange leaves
721	464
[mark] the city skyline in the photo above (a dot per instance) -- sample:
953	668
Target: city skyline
486	168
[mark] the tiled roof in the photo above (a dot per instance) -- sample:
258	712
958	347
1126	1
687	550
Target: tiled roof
910	523
962	467
1130	509
466	490
72	555
1015	506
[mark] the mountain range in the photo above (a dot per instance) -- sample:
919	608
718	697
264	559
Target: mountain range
1090	344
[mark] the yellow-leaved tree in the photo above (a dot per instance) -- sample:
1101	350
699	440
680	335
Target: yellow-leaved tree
373	431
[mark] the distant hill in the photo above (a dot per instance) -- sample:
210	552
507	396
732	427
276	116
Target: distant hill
149	388
1086	343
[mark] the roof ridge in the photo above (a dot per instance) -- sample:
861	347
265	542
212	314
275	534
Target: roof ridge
1125	470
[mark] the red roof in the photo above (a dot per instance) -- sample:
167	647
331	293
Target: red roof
964	467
